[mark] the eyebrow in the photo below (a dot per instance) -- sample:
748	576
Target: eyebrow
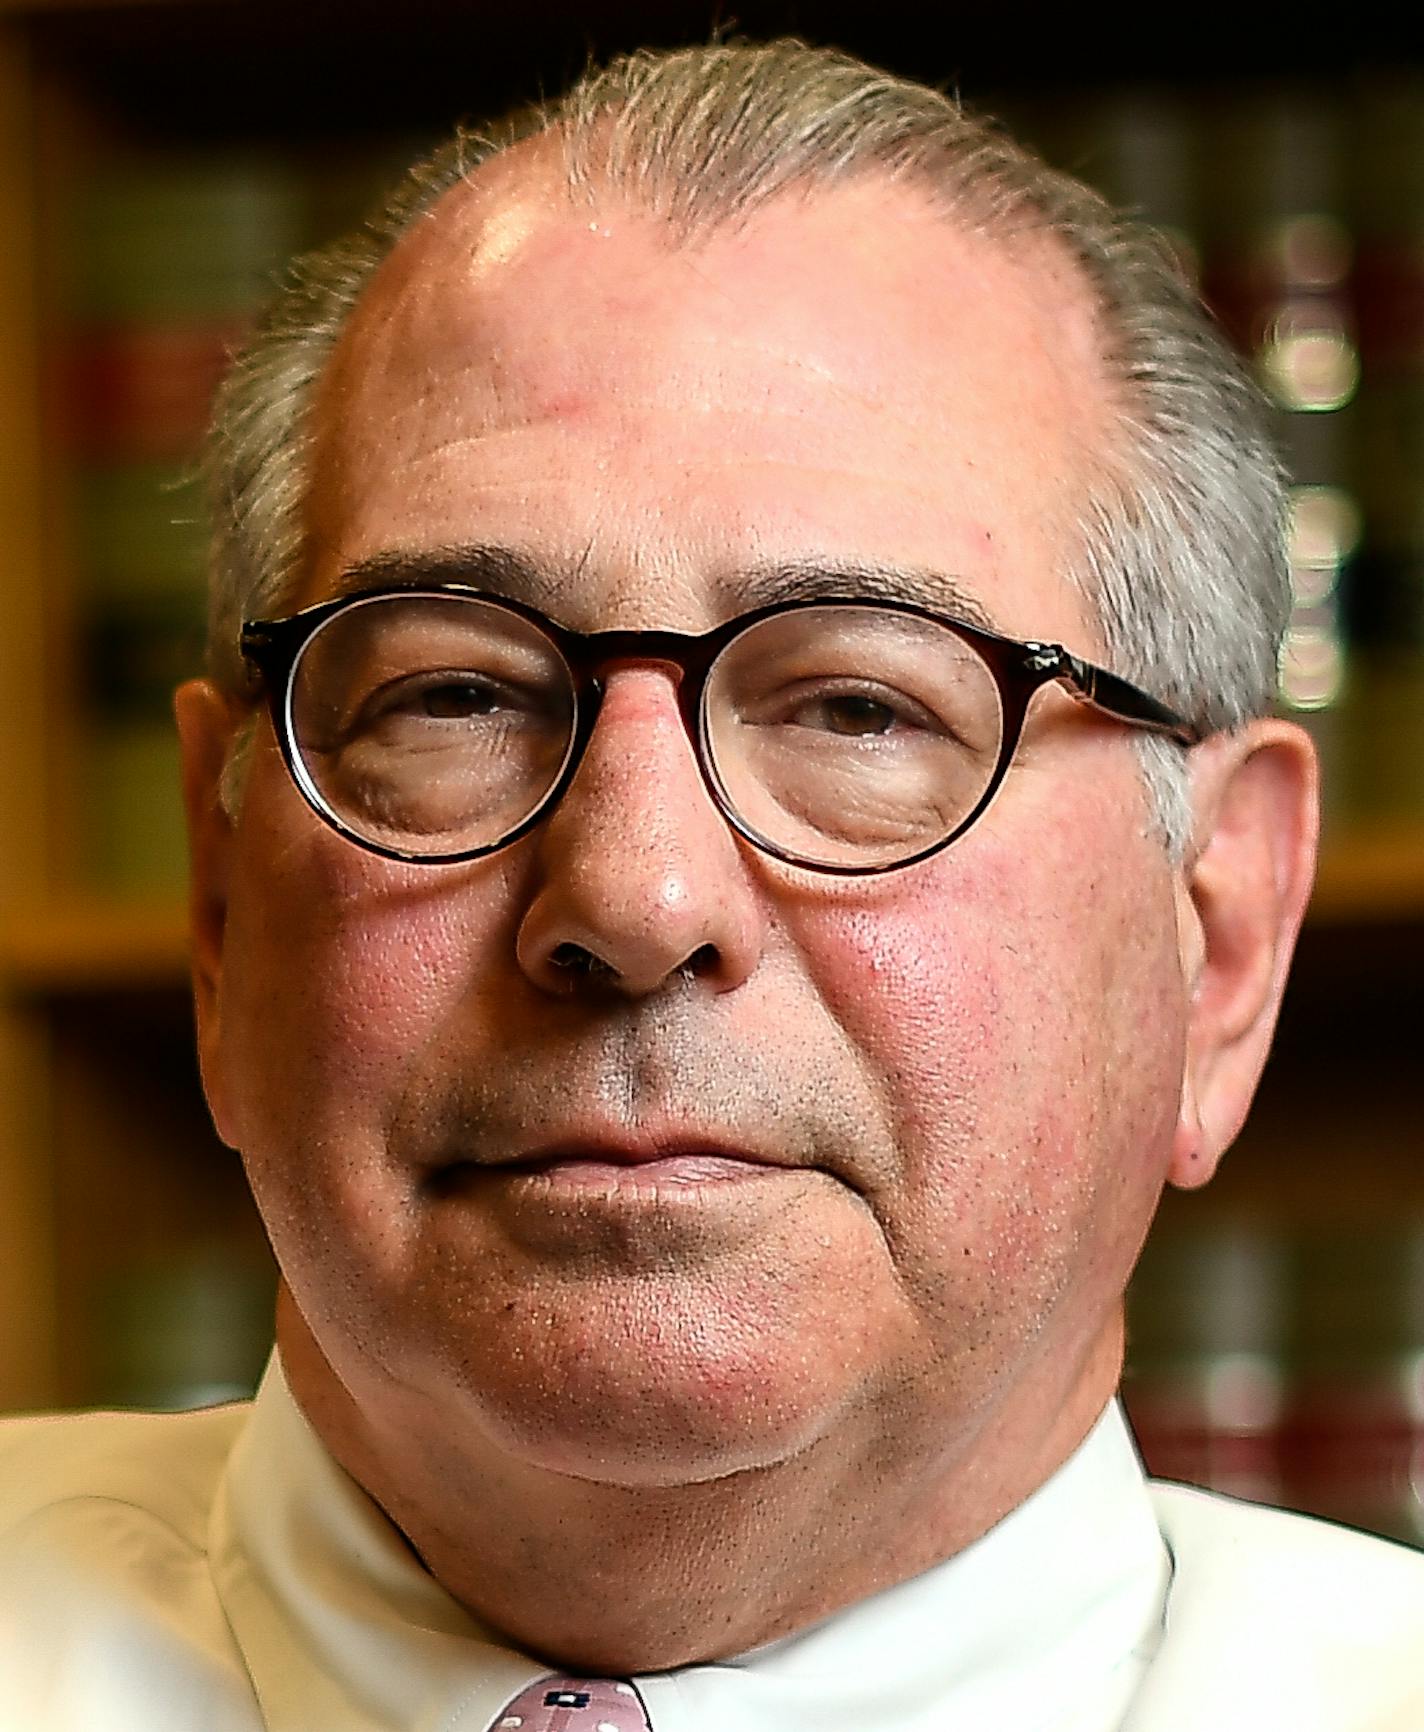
501	570
819	579
505	572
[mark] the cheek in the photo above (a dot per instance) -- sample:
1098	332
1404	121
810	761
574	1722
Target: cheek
339	968
375	965
999	998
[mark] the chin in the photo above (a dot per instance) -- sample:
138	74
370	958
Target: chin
626	1382
681	1426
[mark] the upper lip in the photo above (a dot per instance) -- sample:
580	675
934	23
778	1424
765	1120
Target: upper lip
638	1151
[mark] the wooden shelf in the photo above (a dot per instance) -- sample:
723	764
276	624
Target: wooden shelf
93	946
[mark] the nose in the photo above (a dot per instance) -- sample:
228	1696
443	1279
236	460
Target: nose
640	879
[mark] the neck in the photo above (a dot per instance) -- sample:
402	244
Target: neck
614	1580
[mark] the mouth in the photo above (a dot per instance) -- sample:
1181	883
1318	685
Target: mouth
599	1165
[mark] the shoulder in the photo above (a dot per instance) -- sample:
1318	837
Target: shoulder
1366	1577
1276	1619
164	1464
111	1616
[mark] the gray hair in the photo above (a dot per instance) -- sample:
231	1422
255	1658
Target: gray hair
1181	534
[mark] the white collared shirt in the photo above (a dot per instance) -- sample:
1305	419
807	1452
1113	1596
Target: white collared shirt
220	1571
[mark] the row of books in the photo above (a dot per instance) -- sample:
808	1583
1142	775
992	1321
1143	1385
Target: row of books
1287	1367
165	259
1301	209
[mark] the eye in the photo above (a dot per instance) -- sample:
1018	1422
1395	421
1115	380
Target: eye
447	695
849	713
853	711
452	699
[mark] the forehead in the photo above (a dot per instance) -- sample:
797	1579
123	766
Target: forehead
844	377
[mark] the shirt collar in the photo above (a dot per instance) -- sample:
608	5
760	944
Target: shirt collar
1047	1621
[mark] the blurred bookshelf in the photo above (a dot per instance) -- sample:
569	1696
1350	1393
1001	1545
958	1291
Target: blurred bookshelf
158	163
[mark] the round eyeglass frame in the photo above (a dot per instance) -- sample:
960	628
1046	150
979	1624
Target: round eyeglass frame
273	648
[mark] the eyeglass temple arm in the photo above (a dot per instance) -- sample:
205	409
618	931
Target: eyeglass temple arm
267	648
1109	692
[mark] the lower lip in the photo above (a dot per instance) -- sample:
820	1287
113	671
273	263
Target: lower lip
667	1174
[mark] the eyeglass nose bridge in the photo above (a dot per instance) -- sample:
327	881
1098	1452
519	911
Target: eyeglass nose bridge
591	658
588	656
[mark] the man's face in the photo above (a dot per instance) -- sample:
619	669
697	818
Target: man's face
807	1162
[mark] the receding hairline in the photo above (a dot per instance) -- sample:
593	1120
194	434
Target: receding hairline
1058	287
1036	248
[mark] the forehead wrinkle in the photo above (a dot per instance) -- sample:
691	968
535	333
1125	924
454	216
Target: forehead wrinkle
614	397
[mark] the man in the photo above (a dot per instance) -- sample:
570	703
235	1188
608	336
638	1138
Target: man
707	994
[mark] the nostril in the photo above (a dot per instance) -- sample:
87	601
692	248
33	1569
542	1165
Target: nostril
703	961
575	959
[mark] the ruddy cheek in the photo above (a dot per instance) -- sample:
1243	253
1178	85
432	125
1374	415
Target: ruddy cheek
333	971
974	1025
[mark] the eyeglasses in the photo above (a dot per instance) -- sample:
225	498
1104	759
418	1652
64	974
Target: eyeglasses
442	723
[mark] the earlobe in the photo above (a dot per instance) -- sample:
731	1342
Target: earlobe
1243	896
206	726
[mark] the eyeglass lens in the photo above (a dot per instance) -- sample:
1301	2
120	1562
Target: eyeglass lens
841	736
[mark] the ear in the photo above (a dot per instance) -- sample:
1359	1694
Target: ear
1241	899
207	724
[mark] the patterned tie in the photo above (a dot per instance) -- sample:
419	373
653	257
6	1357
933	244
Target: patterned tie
574	1705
